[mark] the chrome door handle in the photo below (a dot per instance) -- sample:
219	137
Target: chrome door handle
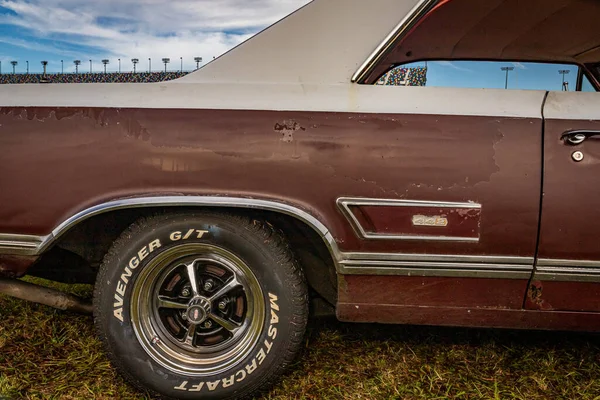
574	138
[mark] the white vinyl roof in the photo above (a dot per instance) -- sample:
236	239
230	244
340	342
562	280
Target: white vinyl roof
324	42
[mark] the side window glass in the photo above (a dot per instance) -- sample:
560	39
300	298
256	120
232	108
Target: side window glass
586	85
484	75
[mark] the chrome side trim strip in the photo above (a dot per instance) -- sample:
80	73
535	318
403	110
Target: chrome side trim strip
344	204
35	245
443	269
391	257
405	24
445	265
546	262
568	270
25	245
205	201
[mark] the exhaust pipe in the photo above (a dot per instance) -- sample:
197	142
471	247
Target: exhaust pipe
43	295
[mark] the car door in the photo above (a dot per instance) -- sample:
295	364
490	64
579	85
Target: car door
451	215
567	275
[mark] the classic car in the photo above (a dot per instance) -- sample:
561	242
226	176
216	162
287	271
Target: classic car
321	160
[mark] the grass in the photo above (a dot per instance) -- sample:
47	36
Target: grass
49	354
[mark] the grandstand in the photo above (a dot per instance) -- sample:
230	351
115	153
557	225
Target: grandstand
401	76
116	77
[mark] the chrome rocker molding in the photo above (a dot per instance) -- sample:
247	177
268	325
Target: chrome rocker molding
344	204
567	270
436	265
24	245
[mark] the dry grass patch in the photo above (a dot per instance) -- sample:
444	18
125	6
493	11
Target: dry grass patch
48	354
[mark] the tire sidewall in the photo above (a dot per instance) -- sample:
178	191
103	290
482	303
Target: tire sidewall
146	241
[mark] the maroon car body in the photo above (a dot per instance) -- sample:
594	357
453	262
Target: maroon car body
432	205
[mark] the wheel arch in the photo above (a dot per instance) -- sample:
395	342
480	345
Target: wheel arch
118	214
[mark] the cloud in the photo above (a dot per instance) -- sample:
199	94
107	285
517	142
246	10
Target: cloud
140	28
453	66
519	65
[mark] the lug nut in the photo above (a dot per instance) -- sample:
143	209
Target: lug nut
222	305
186	292
208	285
208	324
184	315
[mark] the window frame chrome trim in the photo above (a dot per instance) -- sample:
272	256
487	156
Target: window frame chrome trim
416	13
344	204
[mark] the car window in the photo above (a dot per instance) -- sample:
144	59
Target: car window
586	85
485	75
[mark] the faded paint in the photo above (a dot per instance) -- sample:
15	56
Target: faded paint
97	155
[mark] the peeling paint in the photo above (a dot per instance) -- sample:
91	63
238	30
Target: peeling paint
287	129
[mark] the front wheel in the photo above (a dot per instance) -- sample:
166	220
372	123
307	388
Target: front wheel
206	305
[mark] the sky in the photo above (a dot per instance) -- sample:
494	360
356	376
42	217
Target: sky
68	30
484	74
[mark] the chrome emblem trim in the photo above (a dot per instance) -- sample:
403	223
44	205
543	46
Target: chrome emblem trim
344	204
422	220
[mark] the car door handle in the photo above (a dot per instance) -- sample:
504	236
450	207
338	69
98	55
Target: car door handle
574	138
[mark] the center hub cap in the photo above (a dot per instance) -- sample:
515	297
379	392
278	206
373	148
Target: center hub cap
198	311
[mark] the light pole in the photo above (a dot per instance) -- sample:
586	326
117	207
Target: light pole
14	64
181	60
166	61
119	65
198	61
62	67
105	61
44	64
507	69
27	67
90	66
77	63
135	61
565	85
149	64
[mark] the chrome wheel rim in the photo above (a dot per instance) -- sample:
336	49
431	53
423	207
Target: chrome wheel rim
197	309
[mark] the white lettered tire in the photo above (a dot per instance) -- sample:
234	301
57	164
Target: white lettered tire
200	306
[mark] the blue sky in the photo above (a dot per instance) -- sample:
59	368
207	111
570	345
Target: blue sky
480	74
55	30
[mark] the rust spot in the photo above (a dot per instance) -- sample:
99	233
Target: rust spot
534	296
287	129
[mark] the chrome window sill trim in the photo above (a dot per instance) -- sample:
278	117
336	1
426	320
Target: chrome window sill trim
344	204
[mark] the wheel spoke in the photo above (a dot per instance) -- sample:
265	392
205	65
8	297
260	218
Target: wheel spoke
191	271
189	336
226	288
167	302
225	323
